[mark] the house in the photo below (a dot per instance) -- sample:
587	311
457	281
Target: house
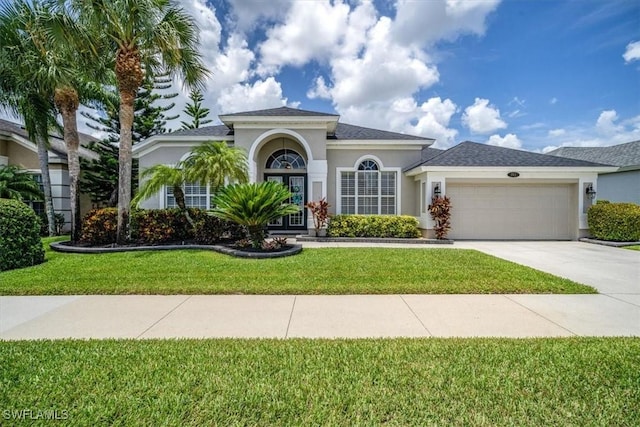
17	149
622	185
496	193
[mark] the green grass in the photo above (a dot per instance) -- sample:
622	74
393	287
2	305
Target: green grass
633	248
314	271
576	381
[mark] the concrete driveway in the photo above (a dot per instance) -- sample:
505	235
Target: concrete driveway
612	271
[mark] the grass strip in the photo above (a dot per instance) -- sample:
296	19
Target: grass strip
567	381
314	271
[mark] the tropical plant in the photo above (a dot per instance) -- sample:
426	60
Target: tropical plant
212	163
32	104
146	36
215	163
158	176
320	212
195	110
56	70
17	183
440	211
254	206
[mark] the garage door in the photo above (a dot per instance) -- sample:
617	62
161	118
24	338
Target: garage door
510	212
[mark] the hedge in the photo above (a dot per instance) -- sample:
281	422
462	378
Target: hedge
619	222
403	226
20	243
157	226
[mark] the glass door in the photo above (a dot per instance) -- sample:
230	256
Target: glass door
296	183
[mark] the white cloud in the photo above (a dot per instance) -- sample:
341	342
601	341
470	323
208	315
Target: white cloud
259	95
632	53
425	22
606	123
553	101
247	13
319	90
482	118
309	32
607	130
557	132
510	140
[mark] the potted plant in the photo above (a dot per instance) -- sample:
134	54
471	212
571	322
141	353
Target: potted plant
320	212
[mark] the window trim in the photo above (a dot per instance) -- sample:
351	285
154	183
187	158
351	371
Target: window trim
381	168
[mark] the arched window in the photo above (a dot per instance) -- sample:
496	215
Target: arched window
285	159
368	190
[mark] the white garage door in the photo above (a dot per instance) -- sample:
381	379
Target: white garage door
510	212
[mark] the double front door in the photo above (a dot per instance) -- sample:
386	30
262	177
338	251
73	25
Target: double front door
297	184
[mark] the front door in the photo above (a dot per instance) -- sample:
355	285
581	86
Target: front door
297	184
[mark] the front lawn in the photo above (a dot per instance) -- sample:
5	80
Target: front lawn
576	381
314	271
633	248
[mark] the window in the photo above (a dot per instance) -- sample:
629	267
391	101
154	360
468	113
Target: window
195	196
368	190
285	159
37	205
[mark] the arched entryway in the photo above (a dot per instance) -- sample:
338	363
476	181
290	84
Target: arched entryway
284	160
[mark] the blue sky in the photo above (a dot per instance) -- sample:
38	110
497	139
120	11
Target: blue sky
523	74
528	74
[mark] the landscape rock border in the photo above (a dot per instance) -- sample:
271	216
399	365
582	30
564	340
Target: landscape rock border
239	253
303	238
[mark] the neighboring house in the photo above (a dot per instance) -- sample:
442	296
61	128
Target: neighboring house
17	149
622	185
368	171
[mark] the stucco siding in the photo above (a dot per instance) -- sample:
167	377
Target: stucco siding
620	187
23	157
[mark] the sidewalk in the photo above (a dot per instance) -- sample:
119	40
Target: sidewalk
321	316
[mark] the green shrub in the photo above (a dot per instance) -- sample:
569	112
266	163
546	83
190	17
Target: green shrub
403	226
20	243
156	226
44	223
100	226
211	230
618	222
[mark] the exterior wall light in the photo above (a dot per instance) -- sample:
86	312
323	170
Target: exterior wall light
436	190
590	192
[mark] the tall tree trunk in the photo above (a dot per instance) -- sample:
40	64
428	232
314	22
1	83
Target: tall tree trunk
178	194
129	76
43	158
124	166
67	102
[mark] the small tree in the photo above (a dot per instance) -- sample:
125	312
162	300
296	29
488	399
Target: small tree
195	110
440	211
254	206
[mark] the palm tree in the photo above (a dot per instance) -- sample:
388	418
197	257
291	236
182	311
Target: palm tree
24	99
17	183
145	36
56	71
212	163
216	163
254	206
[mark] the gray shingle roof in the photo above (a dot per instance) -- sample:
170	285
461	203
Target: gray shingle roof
346	131
343	132
474	154
56	143
281	111
627	154
207	131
